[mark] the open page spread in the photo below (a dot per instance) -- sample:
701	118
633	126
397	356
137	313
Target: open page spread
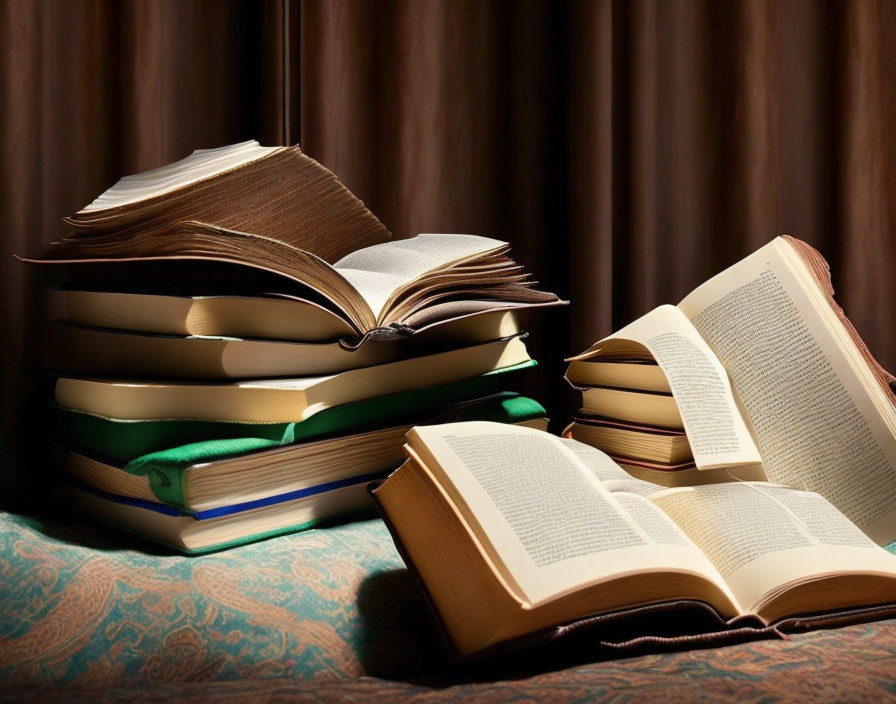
557	516
716	431
377	272
764	537
813	408
546	516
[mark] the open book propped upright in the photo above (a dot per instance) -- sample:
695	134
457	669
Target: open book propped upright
763	370
270	222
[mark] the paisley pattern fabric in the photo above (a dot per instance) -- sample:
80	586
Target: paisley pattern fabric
332	614
81	607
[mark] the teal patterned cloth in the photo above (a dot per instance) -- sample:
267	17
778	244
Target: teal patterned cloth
332	614
82	607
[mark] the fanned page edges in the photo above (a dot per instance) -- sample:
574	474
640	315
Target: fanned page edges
322	217
201	164
821	271
284	220
298	270
486	275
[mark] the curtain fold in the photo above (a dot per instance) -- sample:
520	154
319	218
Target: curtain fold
626	150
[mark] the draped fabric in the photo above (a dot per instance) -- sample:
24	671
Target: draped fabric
626	150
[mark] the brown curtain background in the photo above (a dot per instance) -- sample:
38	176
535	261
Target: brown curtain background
627	150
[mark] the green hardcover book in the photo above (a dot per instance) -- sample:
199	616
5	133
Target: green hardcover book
198	497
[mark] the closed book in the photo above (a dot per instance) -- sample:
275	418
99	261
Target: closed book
268	317
79	349
645	442
640	407
281	400
635	374
125	440
234	474
174	528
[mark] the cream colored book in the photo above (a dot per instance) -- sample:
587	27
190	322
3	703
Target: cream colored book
767	370
630	440
271	318
268	317
89	350
513	531
281	400
647	407
637	375
185	533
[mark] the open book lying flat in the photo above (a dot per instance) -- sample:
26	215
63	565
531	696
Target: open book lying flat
274	221
765	371
514	531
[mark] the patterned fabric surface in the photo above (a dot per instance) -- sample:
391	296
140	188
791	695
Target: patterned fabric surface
81	607
331	614
855	664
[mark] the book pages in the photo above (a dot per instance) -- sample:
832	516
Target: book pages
717	433
816	424
202	163
378	271
763	538
548	519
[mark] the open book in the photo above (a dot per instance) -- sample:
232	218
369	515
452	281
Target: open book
250	219
514	531
766	371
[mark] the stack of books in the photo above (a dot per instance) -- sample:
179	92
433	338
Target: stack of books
628	411
243	347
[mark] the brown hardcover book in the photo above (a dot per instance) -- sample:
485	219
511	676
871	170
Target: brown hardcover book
766	371
262	220
515	533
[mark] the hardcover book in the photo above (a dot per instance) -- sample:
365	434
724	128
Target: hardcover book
515	533
210	500
281	400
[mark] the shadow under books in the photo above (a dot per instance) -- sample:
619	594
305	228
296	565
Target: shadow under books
401	641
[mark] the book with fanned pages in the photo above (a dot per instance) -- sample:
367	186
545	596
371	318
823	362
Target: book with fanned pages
518	536
271	221
764	373
207	496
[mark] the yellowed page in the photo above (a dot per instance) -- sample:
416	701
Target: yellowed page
814	410
764	537
545	516
377	271
716	431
